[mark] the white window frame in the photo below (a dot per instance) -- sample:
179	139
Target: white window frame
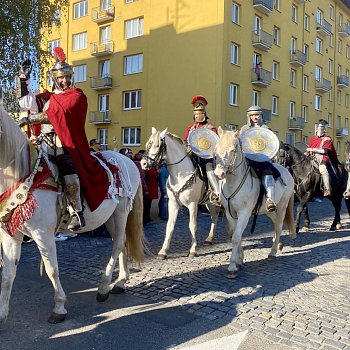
102	137
307	22
276	35
331	12
330	66
233	94
319	45
294	14
274	105
275	70
51	45
80	73
103	103
105	35
234	53
318	73
306	50
105	5
305	112
129	1
80	9
346	100
131	136
79	41
340	45
256	98
235	13
133	64
339	97
133	28
293	77
305	83
132	100
318	102
330	120
292	107
347	51
276	4
104	68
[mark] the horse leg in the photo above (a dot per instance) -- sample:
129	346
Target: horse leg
11	254
336	201
193	209
214	219
173	213
306	226
123	275
116	227
277	219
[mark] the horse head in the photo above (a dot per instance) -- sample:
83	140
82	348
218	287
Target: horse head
228	151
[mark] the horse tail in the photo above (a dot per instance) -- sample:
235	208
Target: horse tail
135	241
289	218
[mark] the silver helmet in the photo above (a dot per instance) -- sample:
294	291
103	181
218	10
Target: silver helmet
321	128
253	110
61	68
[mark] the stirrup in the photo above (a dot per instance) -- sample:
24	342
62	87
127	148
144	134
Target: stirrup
214	199
77	221
270	205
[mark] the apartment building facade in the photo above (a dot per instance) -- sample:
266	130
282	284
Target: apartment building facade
140	62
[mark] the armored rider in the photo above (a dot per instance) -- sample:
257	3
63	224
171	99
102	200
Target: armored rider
201	120
265	170
321	146
64	111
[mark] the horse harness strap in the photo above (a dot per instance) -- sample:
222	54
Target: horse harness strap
237	189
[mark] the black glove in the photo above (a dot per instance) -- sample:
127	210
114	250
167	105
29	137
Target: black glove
26	68
23	121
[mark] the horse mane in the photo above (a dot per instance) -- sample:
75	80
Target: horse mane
175	138
12	143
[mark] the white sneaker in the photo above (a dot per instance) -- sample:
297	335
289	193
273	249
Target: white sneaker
60	237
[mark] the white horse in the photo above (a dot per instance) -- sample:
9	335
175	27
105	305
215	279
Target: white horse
240	191
123	221
185	187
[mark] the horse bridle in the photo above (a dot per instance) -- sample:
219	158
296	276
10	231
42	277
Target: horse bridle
228	161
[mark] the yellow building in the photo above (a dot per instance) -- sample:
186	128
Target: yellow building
140	62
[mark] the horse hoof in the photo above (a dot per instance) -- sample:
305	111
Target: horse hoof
102	297
56	318
338	226
231	274
332	228
304	229
161	257
271	258
280	247
208	243
192	255
117	290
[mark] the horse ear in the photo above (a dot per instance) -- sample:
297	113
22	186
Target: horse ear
154	130
162	134
220	131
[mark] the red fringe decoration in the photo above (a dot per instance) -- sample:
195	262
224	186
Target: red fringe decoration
59	54
114	169
20	215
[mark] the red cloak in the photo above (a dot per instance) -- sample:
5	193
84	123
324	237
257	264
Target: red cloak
67	114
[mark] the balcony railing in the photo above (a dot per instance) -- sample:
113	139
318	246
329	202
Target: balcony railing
342	81
323	27
296	123
264	6
261	77
98	83
341	132
98	117
344	30
100	15
323	85
262	40
297	58
266	115
102	49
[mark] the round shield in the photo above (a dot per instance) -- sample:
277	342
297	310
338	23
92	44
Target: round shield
202	142
259	144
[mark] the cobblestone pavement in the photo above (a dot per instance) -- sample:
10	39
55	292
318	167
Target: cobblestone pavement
300	300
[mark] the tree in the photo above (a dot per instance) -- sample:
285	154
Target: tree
23	25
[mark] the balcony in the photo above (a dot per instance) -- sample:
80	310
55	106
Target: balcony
341	132
296	123
100	117
323	85
344	30
99	83
323	27
297	58
266	115
261	77
264	6
101	15
342	81
262	40
102	49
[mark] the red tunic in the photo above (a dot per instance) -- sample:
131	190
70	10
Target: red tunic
324	142
67	114
190	127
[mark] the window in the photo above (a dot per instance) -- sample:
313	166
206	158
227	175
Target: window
79	41
347	73
234	53
134	28
330	66
233	94
293	44
276	35
340	45
347	51
331	12
306	51
235	13
105	35
275	70
293	77
291	109
102	137
318	73
347	100
318	102
305	112
274	105
276	4
331	40
330	94
339	70
305	139
339	97
104	68
106	5
131	136
80	73
337	147
52	45
329	120
294	13
128	1
132	100
256	98
306	22
305	83
133	64
338	122
319	17
80	9
290	138
318	45
103	103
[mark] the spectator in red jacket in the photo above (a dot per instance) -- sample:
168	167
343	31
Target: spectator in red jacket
151	177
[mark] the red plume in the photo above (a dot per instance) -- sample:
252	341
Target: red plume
59	54
199	97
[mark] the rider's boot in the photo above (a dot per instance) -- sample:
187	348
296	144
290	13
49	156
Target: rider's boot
214	196
326	180
72	190
269	185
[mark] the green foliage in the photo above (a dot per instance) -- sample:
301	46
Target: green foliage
23	25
